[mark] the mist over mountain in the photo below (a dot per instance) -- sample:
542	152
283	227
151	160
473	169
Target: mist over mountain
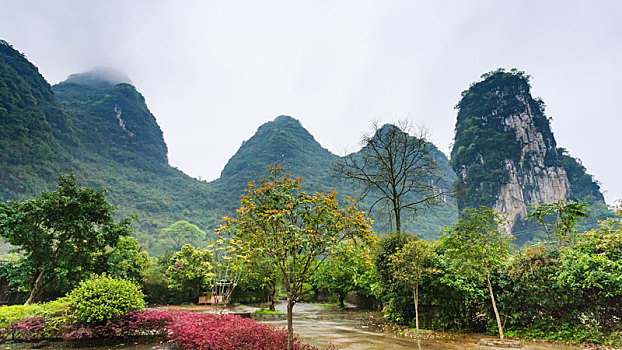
112	118
99	76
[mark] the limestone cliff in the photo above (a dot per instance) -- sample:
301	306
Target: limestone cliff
504	153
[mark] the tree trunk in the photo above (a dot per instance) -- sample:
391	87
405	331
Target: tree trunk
34	290
272	297
494	307
416	296
290	326
398	220
342	298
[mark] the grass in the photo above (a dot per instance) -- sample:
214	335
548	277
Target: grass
263	311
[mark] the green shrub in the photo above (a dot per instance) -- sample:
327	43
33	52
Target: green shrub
12	314
263	311
102	297
15	313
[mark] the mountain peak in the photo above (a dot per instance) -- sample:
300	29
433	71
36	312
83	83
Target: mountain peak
283	140
283	121
99	75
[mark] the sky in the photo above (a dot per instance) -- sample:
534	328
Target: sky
213	71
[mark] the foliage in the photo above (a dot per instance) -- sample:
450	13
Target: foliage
293	229
152	323
476	246
399	168
101	298
215	332
410	265
559	220
190	272
127	261
263	274
569	293
182	232
231	262
348	270
14	313
386	288
62	235
156	284
263	311
29	329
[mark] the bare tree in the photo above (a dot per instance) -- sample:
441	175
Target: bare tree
396	164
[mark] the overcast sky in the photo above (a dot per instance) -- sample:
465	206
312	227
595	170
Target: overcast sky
213	71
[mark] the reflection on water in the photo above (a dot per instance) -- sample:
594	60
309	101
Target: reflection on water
345	329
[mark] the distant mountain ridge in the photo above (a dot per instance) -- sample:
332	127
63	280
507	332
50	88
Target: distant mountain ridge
98	126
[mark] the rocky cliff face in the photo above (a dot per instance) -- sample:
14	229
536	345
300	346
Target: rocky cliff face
505	153
531	181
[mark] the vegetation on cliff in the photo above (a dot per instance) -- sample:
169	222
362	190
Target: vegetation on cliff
502	135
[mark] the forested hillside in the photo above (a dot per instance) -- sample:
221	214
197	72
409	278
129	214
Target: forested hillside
98	126
31	127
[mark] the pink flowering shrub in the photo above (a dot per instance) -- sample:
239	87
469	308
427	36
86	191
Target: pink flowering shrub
226	332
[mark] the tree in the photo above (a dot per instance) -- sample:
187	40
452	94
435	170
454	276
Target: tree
409	266
61	235
348	270
263	272
190	272
180	233
230	266
477	245
593	270
559	220
293	229
127	260
399	167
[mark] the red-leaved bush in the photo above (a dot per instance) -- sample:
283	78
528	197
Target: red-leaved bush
28	329
185	330
226	332
133	323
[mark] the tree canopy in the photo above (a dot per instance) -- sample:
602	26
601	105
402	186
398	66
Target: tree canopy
62	236
399	169
476	245
293	229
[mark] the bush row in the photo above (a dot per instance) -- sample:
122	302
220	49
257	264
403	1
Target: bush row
185	330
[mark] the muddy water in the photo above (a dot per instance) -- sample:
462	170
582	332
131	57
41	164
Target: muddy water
350	329
353	329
